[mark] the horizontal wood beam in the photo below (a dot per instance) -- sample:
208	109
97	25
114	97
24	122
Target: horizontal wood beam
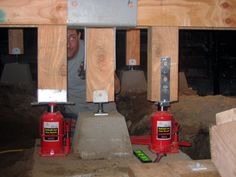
188	13
32	12
177	13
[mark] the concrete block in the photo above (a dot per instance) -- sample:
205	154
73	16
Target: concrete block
133	81
14	73
101	137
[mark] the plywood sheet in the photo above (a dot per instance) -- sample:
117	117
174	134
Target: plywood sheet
174	169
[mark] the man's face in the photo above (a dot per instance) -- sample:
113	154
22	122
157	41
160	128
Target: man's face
72	43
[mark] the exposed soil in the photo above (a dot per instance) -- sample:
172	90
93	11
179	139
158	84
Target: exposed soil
18	130
194	113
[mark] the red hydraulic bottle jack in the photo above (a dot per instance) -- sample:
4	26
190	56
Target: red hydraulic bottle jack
55	139
164	135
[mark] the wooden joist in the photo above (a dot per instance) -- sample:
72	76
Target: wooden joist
187	13
174	169
33	12
178	13
16	41
100	61
52	60
133	46
162	42
223	143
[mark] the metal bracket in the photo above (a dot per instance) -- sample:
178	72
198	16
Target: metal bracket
165	81
100	111
102	13
100	96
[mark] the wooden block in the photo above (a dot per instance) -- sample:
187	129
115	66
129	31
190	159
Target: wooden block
150	170
184	168
16	41
223	148
173	169
52	58
133	46
188	13
162	41
226	116
100	61
33	12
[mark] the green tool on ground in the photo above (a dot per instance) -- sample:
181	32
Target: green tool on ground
142	156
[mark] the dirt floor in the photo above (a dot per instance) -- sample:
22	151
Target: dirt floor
19	124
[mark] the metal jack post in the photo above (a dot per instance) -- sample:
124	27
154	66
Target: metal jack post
100	111
131	68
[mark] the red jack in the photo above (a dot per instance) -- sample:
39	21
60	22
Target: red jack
55	139
164	137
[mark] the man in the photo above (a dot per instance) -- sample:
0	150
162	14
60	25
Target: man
76	77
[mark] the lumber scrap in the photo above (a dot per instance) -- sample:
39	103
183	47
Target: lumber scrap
52	63
162	42
133	46
187	13
15	41
174	169
226	116
31	12
223	143
100	61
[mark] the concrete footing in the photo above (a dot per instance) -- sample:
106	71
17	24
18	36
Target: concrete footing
101	137
133	81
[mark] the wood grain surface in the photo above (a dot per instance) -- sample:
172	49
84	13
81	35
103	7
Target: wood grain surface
100	61
52	58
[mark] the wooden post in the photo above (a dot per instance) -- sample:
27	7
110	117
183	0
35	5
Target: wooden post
162	41
16	41
52	63
100	61
133	46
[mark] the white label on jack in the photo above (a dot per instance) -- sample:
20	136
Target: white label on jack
163	130
51	131
100	96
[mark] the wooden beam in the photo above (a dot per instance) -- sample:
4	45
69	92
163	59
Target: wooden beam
100	61
179	13
15	41
162	41
223	146
33	12
133	46
188	13
52	59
